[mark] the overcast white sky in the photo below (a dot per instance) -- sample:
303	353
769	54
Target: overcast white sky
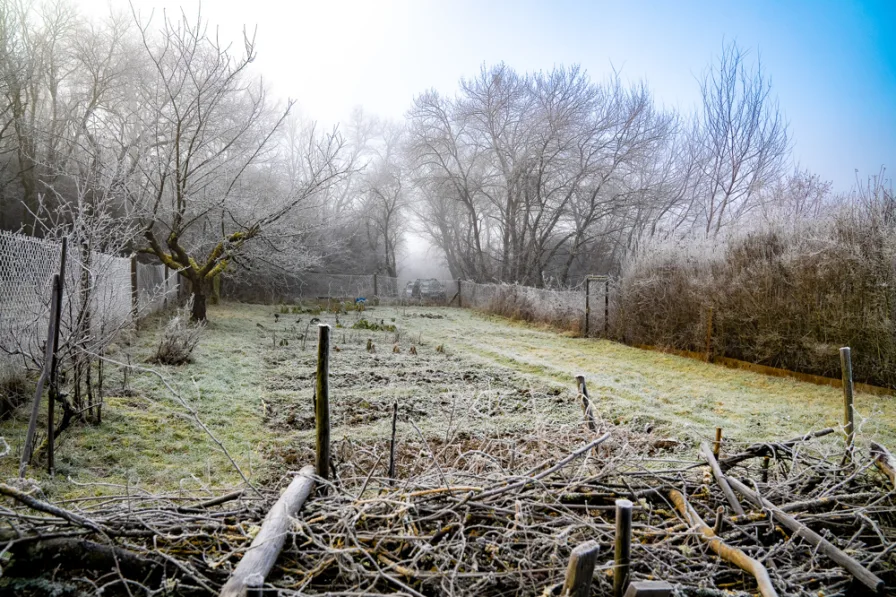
833	64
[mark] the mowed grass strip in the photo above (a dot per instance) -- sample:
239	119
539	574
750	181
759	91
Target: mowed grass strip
684	394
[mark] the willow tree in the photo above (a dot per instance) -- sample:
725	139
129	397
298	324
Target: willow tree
204	184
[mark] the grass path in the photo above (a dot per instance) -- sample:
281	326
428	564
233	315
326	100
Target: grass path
634	384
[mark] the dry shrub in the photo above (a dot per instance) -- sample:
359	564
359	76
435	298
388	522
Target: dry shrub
558	308
787	298
179	338
13	393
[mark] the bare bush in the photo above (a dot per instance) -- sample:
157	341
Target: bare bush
179	339
785	297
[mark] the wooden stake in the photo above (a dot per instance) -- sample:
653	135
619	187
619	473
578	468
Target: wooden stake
322	402
824	546
607	307
623	554
848	408
580	570
134	289
262	554
717	445
392	444
50	349
53	394
587	303
725	551
720	478
587	408
460	302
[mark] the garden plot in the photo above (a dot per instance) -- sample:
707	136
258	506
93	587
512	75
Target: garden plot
497	478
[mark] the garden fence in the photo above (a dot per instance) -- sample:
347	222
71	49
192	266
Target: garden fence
106	283
565	308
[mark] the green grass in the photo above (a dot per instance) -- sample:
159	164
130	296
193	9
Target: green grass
495	378
684	394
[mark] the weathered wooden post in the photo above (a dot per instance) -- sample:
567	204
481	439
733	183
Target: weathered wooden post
54	362
623	553
322	401
848	398
580	570
717	445
392	444
134	291
50	349
460	299
607	307
587	303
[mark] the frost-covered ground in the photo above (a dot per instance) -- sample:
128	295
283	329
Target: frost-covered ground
474	378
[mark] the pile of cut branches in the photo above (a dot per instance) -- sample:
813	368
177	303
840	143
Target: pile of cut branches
493	517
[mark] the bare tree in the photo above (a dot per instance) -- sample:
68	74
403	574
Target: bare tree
208	131
538	167
743	139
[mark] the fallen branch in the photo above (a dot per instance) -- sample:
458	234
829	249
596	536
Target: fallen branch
543	474
720	478
724	551
80	554
824	546
766	448
265	548
42	506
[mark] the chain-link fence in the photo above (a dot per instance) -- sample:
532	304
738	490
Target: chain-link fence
102	282
563	308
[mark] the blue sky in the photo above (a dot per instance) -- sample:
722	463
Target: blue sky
832	64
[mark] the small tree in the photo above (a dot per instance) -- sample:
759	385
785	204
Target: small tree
203	184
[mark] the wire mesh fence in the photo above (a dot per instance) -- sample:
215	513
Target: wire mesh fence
97	299
586	308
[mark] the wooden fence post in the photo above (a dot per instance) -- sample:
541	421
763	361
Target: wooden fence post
460	301
580	570
134	291
848	398
623	553
53	394
587	303
392	444
322	402
607	307
717	445
28	449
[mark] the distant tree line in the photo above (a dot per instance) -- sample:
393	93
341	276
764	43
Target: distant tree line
146	134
